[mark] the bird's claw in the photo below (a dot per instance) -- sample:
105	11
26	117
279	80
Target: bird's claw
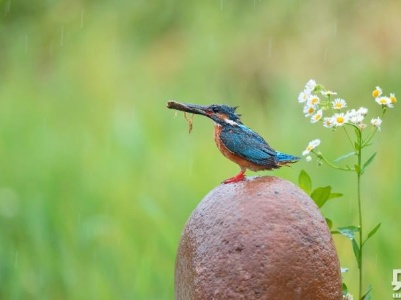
236	178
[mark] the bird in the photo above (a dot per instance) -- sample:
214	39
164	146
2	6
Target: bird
236	141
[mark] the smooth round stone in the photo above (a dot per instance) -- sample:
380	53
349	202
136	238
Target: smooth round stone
262	238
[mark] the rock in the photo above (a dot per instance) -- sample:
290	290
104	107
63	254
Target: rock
262	238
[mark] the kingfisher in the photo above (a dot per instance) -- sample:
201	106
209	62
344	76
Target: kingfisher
236	141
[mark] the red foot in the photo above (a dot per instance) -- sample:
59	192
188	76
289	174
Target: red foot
239	177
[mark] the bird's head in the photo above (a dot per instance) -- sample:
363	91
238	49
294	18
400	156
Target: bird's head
219	113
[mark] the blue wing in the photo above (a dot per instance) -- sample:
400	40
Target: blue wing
248	144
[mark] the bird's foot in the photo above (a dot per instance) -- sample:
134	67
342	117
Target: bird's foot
236	178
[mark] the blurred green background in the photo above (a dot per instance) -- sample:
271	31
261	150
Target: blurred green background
97	178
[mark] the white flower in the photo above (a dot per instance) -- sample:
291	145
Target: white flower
363	111
328	122
317	116
355	116
340	119
313	100
303	96
310	85
312	145
393	98
376	122
384	101
377	92
351	113
339	103
362	126
328	93
309	110
308	158
348	296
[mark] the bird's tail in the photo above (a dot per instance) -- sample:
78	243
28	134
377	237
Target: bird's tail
284	159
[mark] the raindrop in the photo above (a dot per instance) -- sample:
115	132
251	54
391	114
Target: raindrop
190	166
82	18
51	48
269	46
212	43
325	54
9	203
26	43
45	123
335	28
7	7
61	36
16	259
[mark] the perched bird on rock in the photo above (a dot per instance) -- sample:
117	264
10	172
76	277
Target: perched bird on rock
236	141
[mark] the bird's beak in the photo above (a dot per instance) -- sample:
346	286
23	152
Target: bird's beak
189	108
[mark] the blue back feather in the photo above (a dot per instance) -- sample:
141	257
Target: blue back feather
282	157
251	146
248	144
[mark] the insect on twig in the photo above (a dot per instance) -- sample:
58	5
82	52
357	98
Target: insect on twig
189	120
183	107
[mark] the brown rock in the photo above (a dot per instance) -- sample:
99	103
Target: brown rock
262	238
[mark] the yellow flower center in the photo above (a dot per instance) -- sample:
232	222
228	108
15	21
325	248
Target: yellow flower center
314	101
311	110
393	99
340	120
338	105
383	101
376	93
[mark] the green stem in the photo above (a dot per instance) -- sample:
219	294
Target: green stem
349	138
366	142
359	174
321	157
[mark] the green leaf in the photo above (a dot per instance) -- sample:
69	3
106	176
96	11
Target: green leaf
357	254
344	289
369	161
344	156
357	169
305	182
347	231
329	223
349	168
357	132
321	195
368	294
335	195
372	232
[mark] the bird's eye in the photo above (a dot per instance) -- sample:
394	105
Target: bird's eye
215	109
